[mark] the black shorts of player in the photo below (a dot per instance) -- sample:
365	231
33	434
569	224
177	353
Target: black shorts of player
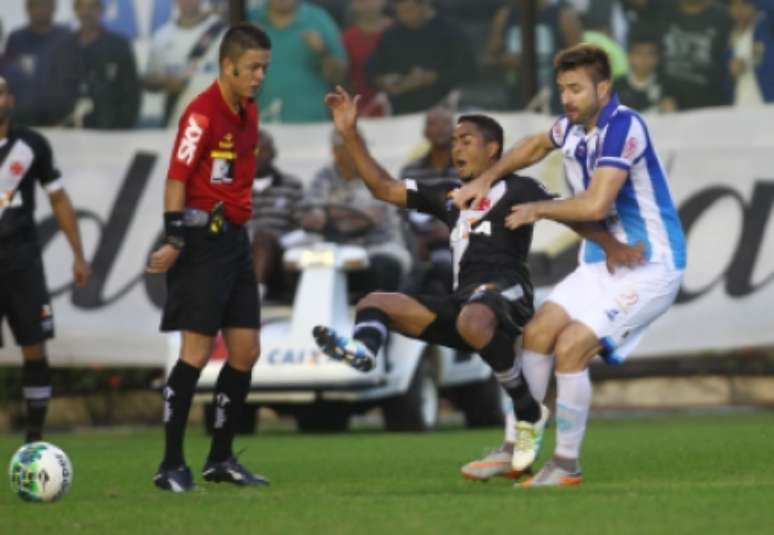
507	297
24	299
212	284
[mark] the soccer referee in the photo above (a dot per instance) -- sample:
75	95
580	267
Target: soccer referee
206	255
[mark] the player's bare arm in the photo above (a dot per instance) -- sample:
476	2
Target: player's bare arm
63	211
592	204
526	152
174	202
381	184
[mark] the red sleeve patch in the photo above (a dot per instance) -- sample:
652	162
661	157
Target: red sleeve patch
630	148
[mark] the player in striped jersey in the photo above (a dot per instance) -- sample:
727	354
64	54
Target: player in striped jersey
616	177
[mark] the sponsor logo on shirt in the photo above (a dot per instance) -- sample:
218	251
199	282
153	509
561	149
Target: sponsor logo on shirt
17	168
227	142
484	204
191	137
630	148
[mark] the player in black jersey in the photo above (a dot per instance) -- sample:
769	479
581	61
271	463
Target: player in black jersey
492	296
25	157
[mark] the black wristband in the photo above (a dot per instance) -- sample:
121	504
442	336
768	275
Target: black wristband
173	229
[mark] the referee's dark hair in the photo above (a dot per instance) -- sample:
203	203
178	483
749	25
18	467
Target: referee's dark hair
241	37
490	129
584	55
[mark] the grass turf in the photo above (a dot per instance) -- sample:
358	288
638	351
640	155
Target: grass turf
681	474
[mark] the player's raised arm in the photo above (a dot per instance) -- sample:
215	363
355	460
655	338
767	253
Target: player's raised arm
381	184
592	204
526	152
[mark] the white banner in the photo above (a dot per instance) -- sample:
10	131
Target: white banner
720	165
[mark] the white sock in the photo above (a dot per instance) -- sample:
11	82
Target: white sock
536	368
572	410
510	421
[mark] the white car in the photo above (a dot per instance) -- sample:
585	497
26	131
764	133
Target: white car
293	377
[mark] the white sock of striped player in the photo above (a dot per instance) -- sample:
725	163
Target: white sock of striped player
572	411
536	368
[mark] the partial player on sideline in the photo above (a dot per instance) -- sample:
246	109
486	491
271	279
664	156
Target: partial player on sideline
26	157
206	254
492	297
617	178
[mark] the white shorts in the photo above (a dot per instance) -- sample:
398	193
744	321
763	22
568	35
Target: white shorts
618	307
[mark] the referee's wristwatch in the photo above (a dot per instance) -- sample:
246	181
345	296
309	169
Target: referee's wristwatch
173	229
175	241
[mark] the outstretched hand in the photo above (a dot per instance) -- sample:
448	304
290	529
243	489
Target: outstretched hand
470	194
629	256
522	214
343	108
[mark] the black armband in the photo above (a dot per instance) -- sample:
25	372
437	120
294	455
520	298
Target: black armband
173	229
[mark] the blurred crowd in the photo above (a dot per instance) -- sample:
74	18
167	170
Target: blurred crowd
402	56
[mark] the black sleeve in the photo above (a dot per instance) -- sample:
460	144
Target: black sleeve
531	190
44	170
430	199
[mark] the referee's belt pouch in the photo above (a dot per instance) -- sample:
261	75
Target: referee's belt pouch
217	223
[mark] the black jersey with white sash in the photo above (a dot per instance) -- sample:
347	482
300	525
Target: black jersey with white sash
25	158
482	246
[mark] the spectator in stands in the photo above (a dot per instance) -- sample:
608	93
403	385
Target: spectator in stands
276	196
434	271
597	32
558	27
642	88
339	184
93	78
436	162
752	50
360	40
29	48
695	38
10	70
307	44
177	48
646	13
420	59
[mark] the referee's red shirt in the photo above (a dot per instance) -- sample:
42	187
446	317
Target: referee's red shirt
214	154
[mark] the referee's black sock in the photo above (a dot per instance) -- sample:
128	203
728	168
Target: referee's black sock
230	393
371	328
36	387
178	393
500	355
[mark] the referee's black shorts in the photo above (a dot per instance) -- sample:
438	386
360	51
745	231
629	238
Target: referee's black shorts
212	285
24	300
507	297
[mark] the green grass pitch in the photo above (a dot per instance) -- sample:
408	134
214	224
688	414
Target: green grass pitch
676	474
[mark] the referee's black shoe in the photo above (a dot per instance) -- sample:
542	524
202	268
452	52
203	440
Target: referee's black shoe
178	479
230	471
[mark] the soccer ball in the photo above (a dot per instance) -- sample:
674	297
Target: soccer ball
40	472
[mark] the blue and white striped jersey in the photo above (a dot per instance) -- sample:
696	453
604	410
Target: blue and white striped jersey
644	210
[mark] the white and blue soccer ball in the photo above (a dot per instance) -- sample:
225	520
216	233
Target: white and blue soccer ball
40	472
